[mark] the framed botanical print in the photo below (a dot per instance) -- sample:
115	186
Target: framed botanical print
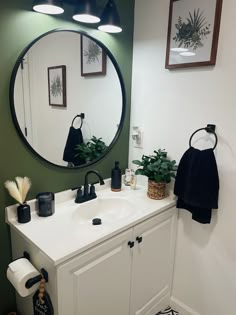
57	86
193	33
93	58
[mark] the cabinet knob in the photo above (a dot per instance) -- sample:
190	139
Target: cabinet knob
139	239
131	244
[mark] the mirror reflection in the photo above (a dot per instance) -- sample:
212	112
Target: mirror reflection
68	99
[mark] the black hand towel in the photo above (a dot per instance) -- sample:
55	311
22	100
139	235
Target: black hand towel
74	137
197	184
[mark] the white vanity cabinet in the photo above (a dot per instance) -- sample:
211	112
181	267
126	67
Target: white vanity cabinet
98	281
129	274
153	261
122	267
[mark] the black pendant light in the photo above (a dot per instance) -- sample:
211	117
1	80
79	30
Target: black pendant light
48	6
110	19
86	12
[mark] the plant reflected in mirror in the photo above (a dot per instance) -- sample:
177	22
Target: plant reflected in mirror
91	150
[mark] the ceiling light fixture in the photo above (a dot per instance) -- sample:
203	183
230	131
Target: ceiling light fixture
48	6
110	19
86	12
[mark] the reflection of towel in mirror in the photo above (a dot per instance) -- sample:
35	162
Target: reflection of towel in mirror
197	184
74	137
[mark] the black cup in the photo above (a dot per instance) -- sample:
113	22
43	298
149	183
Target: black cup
45	204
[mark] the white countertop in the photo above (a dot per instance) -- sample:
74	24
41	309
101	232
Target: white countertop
62	237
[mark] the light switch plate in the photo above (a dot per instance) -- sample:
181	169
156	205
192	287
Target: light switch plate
138	143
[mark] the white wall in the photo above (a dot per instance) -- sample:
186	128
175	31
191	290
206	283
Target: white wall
169	106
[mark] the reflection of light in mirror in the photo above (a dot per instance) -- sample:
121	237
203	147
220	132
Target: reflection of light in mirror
110	28
86	18
187	54
179	49
48	9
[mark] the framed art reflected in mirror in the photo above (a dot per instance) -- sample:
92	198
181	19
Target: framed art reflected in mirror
57	86
93	58
193	33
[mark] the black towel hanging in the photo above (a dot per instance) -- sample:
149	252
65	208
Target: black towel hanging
81	116
74	138
197	184
210	129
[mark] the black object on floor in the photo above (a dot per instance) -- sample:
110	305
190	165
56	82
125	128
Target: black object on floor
197	184
168	311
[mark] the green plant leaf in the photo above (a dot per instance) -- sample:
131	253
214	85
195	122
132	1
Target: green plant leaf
136	162
139	172
158	178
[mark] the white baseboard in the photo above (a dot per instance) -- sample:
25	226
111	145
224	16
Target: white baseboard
162	305
180	307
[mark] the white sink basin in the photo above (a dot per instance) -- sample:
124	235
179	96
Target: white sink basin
107	209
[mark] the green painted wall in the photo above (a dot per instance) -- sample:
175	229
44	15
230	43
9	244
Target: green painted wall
18	27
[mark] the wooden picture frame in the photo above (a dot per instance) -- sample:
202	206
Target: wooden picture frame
57	86
93	58
193	33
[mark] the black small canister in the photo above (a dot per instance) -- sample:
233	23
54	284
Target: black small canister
45	204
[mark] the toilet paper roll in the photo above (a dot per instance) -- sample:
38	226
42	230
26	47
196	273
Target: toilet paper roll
18	272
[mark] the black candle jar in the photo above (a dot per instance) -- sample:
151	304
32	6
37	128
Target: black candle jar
45	204
23	213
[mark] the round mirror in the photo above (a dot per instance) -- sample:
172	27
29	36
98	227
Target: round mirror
68	98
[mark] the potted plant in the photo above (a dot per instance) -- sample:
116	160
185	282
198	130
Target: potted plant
159	169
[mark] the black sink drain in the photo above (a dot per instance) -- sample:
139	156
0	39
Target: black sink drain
97	221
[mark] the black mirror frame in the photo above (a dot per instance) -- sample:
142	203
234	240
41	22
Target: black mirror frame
12	104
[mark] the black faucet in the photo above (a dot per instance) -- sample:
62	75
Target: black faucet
88	194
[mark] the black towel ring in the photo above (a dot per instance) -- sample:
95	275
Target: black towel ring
209	129
81	116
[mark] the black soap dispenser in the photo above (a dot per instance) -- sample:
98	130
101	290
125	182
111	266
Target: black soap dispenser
116	178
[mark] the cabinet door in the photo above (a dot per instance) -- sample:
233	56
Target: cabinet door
97	282
153	258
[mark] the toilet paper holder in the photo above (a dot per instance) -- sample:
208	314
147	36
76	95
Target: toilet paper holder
44	274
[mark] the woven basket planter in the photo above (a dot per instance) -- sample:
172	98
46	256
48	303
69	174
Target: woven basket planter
156	190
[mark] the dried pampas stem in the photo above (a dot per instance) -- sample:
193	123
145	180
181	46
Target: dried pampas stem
19	181
19	191
25	188
13	191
